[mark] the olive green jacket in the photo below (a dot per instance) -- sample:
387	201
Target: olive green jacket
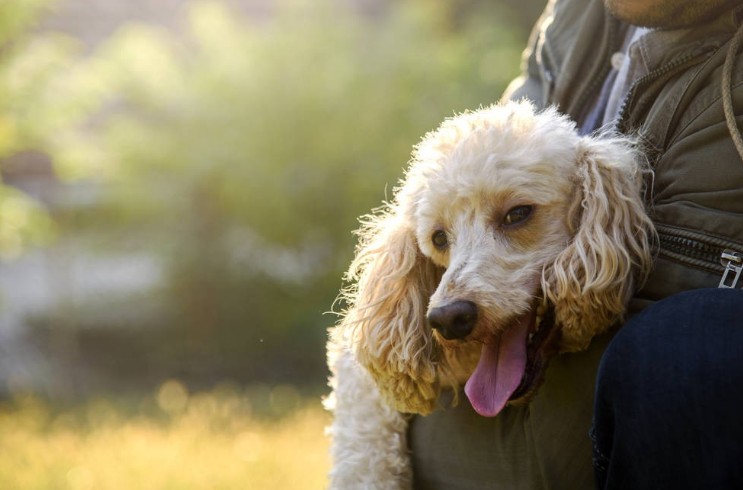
677	110
696	200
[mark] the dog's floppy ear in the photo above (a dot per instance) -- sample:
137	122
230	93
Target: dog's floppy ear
392	282
610	251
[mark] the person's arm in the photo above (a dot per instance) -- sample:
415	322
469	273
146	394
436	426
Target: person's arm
530	84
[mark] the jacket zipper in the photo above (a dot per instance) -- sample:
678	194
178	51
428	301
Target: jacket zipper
712	254
733	263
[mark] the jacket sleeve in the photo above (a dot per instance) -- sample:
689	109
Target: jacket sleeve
530	84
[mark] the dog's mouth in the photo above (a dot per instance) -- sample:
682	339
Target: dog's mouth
513	363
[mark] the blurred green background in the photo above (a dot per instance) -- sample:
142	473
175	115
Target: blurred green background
180	179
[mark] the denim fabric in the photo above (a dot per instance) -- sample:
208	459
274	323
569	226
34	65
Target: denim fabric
669	396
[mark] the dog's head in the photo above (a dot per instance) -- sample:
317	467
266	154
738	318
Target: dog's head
511	238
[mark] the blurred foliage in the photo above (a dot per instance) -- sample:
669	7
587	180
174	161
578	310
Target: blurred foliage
45	92
240	153
174	439
22	221
23	78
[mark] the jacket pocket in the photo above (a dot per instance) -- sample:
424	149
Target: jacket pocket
720	256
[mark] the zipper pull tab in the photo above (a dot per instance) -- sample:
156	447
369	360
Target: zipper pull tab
732	261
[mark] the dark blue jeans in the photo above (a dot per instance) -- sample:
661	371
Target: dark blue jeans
669	397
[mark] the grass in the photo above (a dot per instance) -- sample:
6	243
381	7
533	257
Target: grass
172	440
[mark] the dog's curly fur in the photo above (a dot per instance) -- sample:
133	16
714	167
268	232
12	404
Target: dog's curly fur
583	249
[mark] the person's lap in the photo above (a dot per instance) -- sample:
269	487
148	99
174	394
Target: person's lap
667	404
542	445
669	396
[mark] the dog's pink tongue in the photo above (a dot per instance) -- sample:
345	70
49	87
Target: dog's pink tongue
499	371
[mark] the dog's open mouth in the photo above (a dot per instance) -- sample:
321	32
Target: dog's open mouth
512	364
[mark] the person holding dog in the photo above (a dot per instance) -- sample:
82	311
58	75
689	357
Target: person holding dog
655	404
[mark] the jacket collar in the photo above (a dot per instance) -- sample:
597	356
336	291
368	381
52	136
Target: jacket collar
659	47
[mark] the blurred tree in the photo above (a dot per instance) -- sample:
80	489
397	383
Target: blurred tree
21	220
44	91
241	152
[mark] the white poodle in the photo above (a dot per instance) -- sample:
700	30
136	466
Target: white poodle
511	239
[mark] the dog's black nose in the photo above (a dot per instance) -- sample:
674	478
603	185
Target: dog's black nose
455	320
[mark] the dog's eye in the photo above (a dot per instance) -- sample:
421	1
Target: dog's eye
517	215
439	239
